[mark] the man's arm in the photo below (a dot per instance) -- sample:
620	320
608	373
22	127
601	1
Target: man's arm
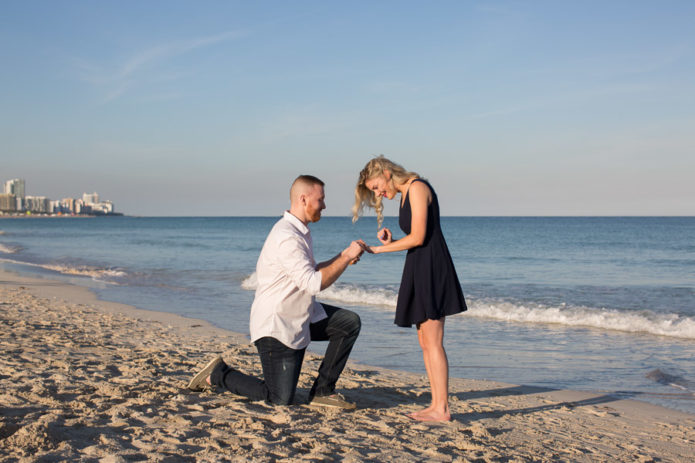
333	268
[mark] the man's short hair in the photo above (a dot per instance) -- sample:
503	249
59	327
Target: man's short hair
305	180
309	180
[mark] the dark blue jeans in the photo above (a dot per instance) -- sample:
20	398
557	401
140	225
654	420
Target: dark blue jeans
282	365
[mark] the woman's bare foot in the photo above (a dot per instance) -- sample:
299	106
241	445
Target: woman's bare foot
430	414
414	415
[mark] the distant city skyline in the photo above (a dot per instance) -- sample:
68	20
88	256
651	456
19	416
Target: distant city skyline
213	108
15	200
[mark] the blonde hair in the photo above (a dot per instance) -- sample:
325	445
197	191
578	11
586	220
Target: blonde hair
366	197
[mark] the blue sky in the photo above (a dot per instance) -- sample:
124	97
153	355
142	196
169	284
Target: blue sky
212	108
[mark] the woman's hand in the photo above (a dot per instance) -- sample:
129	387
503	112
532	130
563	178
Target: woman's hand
365	247
384	235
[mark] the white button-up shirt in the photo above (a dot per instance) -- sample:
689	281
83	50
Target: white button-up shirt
288	282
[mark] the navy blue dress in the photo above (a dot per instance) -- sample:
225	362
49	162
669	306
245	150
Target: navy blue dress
430	288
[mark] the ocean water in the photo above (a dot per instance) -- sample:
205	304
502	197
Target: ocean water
596	304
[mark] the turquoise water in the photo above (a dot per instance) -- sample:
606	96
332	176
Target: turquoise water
596	304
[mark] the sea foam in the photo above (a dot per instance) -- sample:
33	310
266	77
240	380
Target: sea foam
87	271
6	249
643	321
95	273
345	293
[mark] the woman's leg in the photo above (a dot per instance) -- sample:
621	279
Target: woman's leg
431	337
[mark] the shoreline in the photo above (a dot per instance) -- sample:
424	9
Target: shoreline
102	381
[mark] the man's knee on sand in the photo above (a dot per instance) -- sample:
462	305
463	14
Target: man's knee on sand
282	396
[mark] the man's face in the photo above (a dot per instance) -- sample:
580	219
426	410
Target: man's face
315	203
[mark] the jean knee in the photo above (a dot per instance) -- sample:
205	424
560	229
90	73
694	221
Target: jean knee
282	398
355	323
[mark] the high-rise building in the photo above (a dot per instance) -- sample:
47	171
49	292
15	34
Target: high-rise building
39	204
54	207
8	203
90	198
15	187
67	205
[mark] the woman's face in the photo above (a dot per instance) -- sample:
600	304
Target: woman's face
381	187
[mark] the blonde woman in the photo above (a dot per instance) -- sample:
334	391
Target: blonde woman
430	289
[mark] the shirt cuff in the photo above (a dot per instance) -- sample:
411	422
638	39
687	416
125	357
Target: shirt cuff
314	286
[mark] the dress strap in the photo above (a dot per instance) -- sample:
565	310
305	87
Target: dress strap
434	193
405	197
423	181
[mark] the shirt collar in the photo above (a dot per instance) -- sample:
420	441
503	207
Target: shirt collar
303	229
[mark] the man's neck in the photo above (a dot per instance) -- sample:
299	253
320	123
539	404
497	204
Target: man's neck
300	216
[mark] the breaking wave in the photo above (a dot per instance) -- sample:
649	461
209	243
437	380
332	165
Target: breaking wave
87	271
345	293
7	249
250	282
672	325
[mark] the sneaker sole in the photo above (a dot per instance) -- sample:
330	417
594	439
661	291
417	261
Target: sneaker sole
342	407
198	382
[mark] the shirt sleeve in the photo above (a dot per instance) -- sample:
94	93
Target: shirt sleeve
294	257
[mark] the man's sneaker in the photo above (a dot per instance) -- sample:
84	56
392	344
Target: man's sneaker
199	383
333	400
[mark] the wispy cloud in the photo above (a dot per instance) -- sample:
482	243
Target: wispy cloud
118	79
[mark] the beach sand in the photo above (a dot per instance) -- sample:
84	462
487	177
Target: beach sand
87	380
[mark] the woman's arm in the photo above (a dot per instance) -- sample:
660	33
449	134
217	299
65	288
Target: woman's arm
420	197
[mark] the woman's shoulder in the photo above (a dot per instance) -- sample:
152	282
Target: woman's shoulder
420	185
420	190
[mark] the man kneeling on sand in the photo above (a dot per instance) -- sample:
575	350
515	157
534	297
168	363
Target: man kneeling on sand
285	316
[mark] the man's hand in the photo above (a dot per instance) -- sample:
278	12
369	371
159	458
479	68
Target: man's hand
332	269
354	251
